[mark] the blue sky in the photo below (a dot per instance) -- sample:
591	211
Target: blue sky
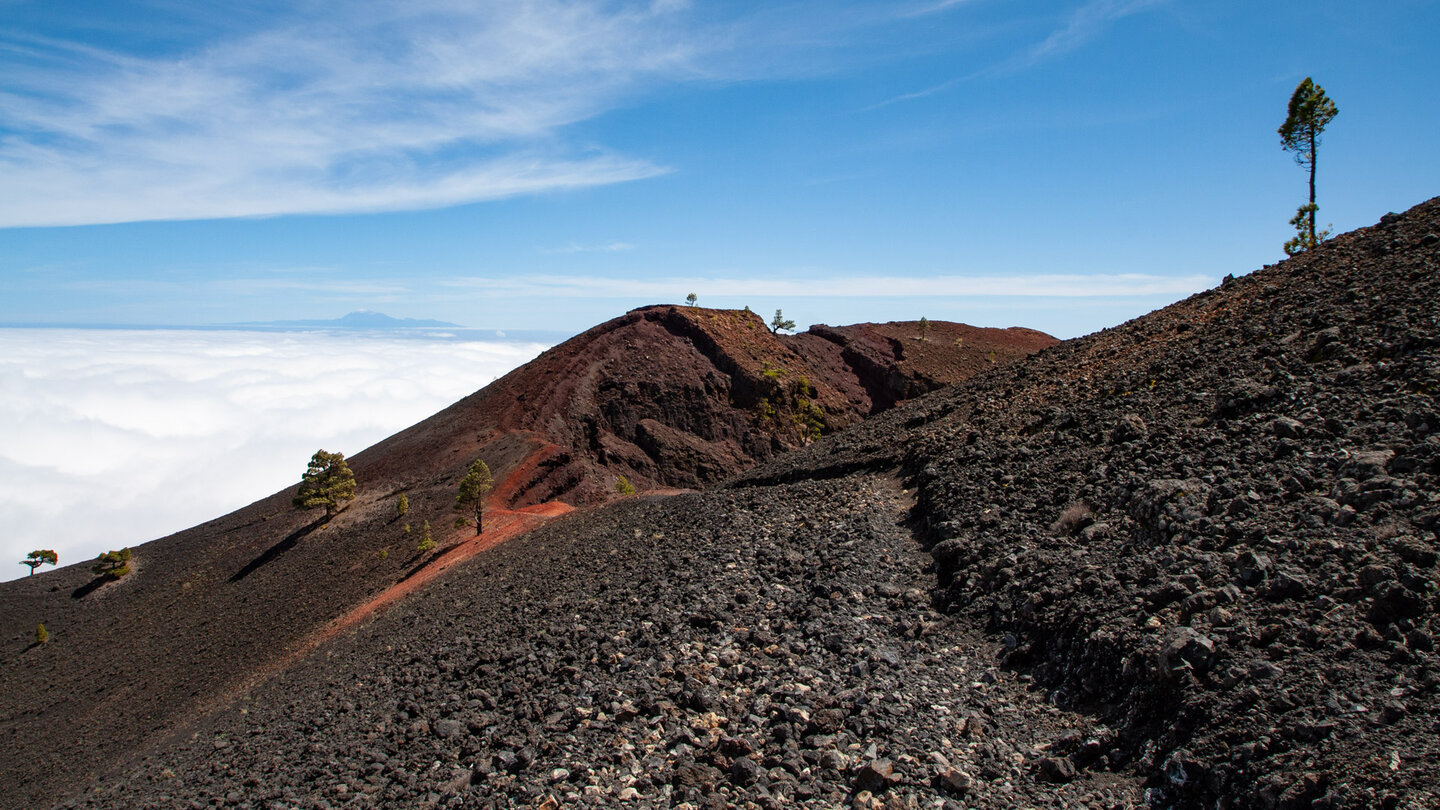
1058	165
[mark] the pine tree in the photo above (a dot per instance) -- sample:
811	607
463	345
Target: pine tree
327	482
426	541
39	557
473	488
780	322
41	634
402	504
1309	112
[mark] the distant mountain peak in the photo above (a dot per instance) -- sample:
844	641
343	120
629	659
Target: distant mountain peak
362	319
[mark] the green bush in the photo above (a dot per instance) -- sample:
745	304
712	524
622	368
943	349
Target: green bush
624	487
112	564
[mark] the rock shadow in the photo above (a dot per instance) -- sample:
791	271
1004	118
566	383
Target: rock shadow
279	548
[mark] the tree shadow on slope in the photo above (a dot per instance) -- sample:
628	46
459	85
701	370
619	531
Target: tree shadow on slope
420	561
269	554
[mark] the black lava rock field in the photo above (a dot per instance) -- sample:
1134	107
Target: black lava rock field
1186	562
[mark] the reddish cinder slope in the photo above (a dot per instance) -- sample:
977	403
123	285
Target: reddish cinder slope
681	397
666	396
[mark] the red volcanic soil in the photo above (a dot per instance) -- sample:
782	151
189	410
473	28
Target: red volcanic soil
682	397
669	397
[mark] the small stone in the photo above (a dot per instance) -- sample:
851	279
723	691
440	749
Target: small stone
1392	713
876	775
1287	428
1056	769
445	729
745	772
1187	649
954	780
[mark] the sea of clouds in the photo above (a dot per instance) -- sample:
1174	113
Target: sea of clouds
110	438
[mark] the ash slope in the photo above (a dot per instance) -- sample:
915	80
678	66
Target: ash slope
1244	587
666	395
1242	611
767	646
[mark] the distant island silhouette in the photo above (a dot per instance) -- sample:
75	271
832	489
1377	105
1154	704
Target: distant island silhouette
360	319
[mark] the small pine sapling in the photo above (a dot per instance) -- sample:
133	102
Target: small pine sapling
426	541
402	504
41	634
924	328
623	487
780	322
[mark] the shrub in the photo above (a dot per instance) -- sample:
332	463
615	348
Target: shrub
41	634
624	487
426	541
112	564
1075	517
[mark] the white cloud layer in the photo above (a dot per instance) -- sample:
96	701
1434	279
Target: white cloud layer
1097	285
112	438
335	107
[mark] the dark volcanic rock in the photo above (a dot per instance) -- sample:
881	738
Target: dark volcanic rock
766	646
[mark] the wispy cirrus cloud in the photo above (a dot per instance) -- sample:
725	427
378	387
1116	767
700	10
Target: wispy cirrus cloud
335	107
1083	25
608	247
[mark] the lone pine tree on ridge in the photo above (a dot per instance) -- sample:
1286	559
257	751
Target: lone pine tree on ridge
1310	110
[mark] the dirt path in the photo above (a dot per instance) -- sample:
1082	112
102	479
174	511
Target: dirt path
500	525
